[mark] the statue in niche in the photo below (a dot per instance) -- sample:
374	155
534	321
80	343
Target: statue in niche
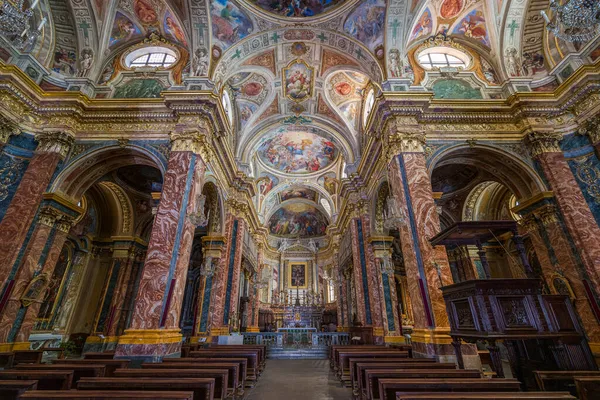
85	64
34	290
201	62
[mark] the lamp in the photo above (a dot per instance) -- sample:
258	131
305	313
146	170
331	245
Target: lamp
15	23
574	20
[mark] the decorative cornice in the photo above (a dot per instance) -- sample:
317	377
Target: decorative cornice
543	142
54	142
547	214
7	129
193	141
405	142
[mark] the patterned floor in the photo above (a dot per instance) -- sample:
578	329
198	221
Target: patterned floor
298	380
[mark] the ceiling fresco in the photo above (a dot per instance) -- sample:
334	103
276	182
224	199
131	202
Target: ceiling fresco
298	220
296	8
229	23
298	193
292	151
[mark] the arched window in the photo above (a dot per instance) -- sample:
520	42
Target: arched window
156	57
437	57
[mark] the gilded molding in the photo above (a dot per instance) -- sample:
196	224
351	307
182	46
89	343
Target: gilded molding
547	214
193	141
543	142
48	216
55	142
591	128
7	129
405	142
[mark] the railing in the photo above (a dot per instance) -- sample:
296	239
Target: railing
282	339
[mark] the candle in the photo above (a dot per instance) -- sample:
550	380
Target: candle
545	16
35	3
42	23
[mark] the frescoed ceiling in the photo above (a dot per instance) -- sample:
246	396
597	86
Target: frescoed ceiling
297	73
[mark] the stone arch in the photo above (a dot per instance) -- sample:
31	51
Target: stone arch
514	173
81	174
213	205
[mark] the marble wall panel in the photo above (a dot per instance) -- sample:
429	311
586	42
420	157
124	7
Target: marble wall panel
359	282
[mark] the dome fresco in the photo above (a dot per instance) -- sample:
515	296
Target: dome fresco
296	8
293	151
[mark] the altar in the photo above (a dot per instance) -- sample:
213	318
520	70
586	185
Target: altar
292	330
297	336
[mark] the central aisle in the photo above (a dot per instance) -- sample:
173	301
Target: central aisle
298	380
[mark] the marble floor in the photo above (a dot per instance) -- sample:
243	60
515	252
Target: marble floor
298	380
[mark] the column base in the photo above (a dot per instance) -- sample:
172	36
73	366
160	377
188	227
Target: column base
378	335
199	338
4	347
149	345
219	331
437	343
98	344
253	329
342	329
395	339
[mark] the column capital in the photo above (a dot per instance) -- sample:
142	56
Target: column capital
405	142
591	128
193	141
58	142
7	129
51	217
543	142
547	214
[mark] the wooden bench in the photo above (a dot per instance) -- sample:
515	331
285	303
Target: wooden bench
588	388
7	359
202	362
389	386
262	350
561	380
250	355
333	349
342	354
396	363
361	367
344	357
12	390
483	396
203	388
99	355
111	365
79	370
372	377
221	376
28	356
106	395
47	380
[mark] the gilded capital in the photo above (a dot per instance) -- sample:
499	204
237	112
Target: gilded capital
405	142
547	214
543	142
55	142
592	129
193	141
48	216
7	129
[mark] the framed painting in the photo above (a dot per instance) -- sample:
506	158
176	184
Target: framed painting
297	275
298	81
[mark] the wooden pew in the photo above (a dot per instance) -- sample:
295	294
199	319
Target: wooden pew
205	362
233	384
425	362
47	380
372	377
12	390
364	365
343	353
561	380
79	370
28	356
7	359
333	349
388	386
99	355
250	355
221	376
111	365
106	395
203	388
588	388
484	396
344	357
262	348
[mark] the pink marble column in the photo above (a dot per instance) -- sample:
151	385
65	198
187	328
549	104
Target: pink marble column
576	213
52	147
227	280
427	267
41	255
362	303
253	323
154	331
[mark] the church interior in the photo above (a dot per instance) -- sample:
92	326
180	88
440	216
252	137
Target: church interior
311	199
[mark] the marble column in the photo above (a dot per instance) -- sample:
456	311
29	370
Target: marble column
154	331
227	279
381	246
359	271
30	282
20	214
557	259
427	267
577	216
255	291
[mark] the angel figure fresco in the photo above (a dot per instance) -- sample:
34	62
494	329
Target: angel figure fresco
174	29
473	26
229	24
145	12
423	26
123	30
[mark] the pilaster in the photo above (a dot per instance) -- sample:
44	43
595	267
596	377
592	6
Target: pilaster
154	331
20	214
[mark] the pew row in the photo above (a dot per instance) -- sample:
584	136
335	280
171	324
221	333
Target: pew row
588	388
47	380
106	395
561	380
388	387
381	363
99	355
250	355
79	370
109	364
484	396
12	390
202	388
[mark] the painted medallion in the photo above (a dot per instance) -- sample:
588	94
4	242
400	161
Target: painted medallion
298	81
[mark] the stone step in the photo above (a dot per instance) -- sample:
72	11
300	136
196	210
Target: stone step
298	354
